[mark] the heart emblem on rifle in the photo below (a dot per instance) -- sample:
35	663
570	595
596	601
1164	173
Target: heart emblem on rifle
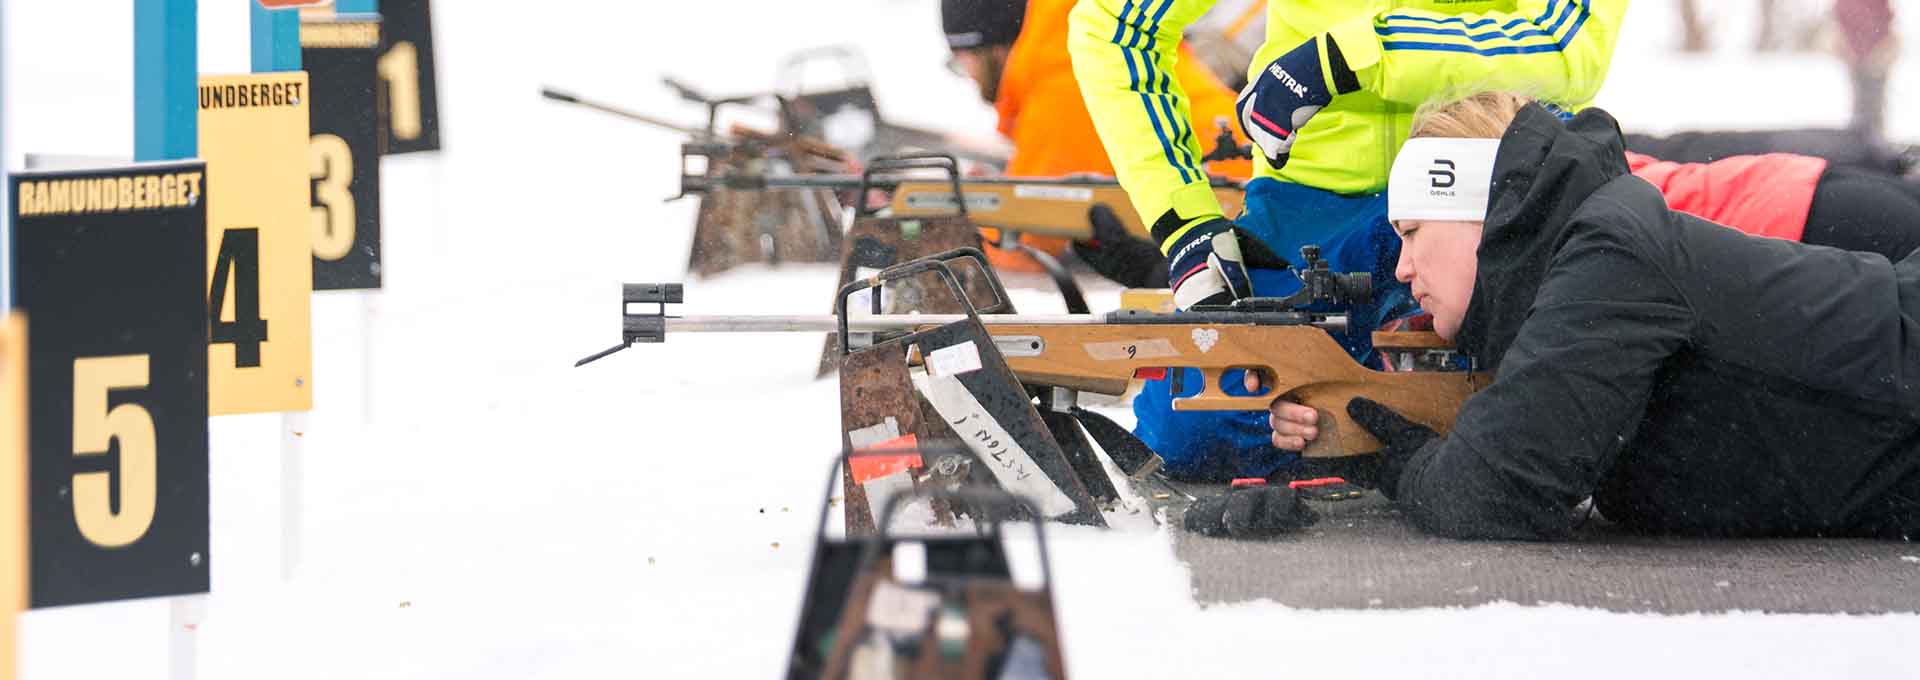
1204	338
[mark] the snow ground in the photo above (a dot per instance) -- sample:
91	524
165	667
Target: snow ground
481	509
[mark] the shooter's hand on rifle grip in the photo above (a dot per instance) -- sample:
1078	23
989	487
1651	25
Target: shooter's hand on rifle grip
1294	425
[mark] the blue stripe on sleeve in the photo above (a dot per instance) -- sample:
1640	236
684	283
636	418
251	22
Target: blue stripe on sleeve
1562	20
1465	25
1545	12
1565	12
1476	37
1182	129
1134	77
1577	23
1454	47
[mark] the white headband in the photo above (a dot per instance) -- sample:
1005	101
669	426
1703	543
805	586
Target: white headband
1441	178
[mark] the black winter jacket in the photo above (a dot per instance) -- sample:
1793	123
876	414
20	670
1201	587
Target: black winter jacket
1690	378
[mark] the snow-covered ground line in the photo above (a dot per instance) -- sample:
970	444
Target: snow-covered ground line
501	514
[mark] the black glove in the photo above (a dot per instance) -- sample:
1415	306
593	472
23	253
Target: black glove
1401	436
1253	512
1129	260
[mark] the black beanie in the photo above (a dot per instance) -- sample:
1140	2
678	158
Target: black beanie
981	23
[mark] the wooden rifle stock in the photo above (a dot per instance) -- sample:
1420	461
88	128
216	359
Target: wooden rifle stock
1046	207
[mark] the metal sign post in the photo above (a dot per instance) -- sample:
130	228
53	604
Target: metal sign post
6	162
166	127
276	48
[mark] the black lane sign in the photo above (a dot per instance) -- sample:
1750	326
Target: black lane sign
340	53
409	98
111	270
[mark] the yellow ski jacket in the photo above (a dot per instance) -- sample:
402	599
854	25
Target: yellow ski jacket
1404	52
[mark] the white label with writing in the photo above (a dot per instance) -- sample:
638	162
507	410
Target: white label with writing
931	201
954	360
1121	350
1053	193
872	435
1010	464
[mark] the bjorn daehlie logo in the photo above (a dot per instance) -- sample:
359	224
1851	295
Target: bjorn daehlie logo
1442	173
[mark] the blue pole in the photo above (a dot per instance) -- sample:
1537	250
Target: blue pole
6	208
166	69
276	39
356	6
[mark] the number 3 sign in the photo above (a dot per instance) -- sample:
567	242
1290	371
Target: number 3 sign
340	54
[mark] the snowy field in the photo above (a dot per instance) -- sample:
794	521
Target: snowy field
474	507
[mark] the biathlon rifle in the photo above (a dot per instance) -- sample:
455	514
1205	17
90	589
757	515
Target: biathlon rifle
1284	339
1043	206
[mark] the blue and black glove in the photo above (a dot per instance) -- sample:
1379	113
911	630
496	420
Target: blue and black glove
1286	94
1207	262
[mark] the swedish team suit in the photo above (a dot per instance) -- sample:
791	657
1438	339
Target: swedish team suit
1328	194
1690	378
1042	114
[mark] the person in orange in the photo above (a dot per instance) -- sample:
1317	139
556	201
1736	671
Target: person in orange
1016	52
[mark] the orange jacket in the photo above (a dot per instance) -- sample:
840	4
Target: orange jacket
1042	112
1765	195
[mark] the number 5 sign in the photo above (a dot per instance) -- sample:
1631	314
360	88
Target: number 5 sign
111	271
253	136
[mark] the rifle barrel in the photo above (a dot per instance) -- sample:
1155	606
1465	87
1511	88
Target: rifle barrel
889	181
791	323
628	114
802	323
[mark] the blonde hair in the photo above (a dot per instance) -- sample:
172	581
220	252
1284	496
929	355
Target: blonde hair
1481	116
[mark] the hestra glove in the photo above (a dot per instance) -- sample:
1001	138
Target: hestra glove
1285	95
1207	263
1402	438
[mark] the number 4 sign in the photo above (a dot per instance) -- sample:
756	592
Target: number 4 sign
259	234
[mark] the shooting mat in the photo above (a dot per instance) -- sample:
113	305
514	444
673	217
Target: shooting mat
1364	555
